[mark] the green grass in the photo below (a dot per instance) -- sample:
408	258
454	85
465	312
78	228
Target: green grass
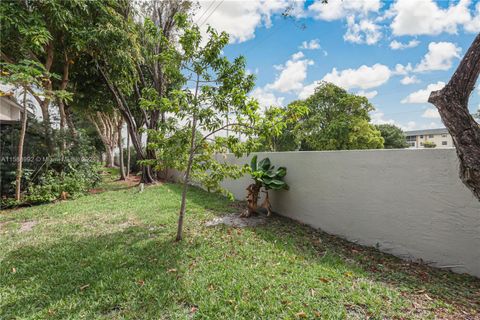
111	255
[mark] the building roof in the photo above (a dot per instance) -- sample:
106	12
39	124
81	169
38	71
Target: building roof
426	132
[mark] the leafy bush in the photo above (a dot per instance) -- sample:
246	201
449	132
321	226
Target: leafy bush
52	184
264	174
429	144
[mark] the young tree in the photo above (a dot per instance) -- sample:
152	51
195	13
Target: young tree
194	140
393	136
452	104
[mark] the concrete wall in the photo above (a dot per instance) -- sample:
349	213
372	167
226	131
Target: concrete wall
409	203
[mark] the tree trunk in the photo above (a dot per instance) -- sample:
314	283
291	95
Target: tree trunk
47	125
189	168
185	182
61	105
63	121
128	154
109	163
452	104
18	180
70	123
120	151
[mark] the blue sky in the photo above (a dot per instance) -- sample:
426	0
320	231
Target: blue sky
387	51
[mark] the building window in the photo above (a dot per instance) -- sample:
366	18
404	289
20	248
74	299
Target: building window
444	135
430	136
421	137
421	143
444	143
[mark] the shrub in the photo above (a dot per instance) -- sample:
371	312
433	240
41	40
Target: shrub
52	184
429	144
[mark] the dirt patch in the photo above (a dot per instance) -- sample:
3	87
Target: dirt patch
130	181
95	191
234	220
27	226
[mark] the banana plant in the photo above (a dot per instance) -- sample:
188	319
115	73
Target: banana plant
267	177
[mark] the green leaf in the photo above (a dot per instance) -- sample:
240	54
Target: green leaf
281	172
253	163
264	164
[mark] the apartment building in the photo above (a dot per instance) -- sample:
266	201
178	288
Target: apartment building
440	137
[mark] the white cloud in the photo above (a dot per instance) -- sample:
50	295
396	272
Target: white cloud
411	125
440	56
367	94
396	45
297	56
425	17
431	113
365	31
241	18
313	44
364	77
292	75
474	24
378	117
338	9
409	80
400	69
266	99
421	96
308	90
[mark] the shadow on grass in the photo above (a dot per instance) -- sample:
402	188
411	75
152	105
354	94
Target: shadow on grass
410	278
132	271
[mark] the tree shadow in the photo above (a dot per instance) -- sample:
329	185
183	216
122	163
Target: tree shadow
413	279
108	275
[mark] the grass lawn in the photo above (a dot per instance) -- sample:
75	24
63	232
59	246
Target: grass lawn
111	255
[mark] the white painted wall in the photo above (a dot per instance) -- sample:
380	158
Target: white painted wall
409	203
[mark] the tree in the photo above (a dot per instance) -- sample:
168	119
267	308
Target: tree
452	104
108	126
393	136
336	120
26	76
194	140
133	57
286	140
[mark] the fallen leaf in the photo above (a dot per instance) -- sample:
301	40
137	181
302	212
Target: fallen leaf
428	297
84	287
301	314
324	280
193	309
312	292
348	274
318	314
171	270
141	283
14	270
